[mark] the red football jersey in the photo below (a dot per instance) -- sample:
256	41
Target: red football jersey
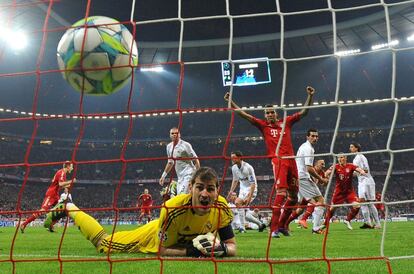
53	189
343	175
271	134
145	199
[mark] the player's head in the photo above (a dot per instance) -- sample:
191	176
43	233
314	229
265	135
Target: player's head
354	147
312	136
175	134
146	190
319	164
68	166
233	197
236	157
270	113
66	190
204	190
342	159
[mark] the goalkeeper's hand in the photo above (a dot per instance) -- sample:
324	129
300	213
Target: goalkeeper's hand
207	242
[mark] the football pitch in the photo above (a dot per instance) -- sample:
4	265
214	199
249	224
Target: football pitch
36	251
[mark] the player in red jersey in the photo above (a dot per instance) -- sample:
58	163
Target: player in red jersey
380	207
145	202
344	191
284	170
52	194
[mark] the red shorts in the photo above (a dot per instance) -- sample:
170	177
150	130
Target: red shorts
49	202
344	198
145	210
380	207
286	174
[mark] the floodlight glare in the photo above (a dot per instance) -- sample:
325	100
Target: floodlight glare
384	45
152	69
15	39
347	52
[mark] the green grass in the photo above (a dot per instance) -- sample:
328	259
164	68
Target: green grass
36	251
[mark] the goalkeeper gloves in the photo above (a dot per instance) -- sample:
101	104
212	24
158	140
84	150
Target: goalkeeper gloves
208	243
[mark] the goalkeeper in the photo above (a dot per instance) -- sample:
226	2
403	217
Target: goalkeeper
197	224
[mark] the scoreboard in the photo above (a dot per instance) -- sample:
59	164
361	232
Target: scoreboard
246	72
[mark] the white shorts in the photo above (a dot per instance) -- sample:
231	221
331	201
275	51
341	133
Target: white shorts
183	184
366	190
244	193
308	189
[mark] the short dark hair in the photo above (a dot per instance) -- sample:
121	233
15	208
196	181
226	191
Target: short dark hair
357	145
205	174
67	164
238	153
311	130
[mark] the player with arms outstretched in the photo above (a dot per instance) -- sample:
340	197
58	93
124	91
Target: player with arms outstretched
52	194
145	202
284	170
184	169
197	224
344	191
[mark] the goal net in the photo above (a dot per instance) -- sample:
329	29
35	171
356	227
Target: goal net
358	56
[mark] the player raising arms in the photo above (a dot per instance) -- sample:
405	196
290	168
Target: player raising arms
195	224
344	191
145	202
366	188
284	170
243	173
184	169
52	194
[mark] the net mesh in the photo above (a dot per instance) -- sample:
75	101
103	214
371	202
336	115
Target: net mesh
392	147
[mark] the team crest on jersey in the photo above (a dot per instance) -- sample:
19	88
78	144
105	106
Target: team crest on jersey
187	228
209	225
162	235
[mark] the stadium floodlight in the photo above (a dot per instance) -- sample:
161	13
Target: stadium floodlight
410	38
384	45
347	52
152	69
15	39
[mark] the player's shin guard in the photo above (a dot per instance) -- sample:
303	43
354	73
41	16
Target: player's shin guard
317	216
292	217
352	213
309	210
288	208
374	213
242	214
365	214
274	226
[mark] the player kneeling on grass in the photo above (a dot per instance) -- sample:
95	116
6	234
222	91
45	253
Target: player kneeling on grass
197	224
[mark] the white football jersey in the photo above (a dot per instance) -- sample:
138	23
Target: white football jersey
182	149
245	175
306	152
361	161
64	197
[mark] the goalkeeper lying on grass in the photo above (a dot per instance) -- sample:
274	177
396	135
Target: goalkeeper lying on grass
196	224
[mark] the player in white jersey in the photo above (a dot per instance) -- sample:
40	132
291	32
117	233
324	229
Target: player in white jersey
366	188
243	173
65	196
235	224
308	189
185	168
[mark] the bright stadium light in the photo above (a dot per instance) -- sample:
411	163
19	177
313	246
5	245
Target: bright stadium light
152	69
347	52
384	45
410	38
15	39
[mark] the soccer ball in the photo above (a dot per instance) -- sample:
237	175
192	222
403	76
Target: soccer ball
104	65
